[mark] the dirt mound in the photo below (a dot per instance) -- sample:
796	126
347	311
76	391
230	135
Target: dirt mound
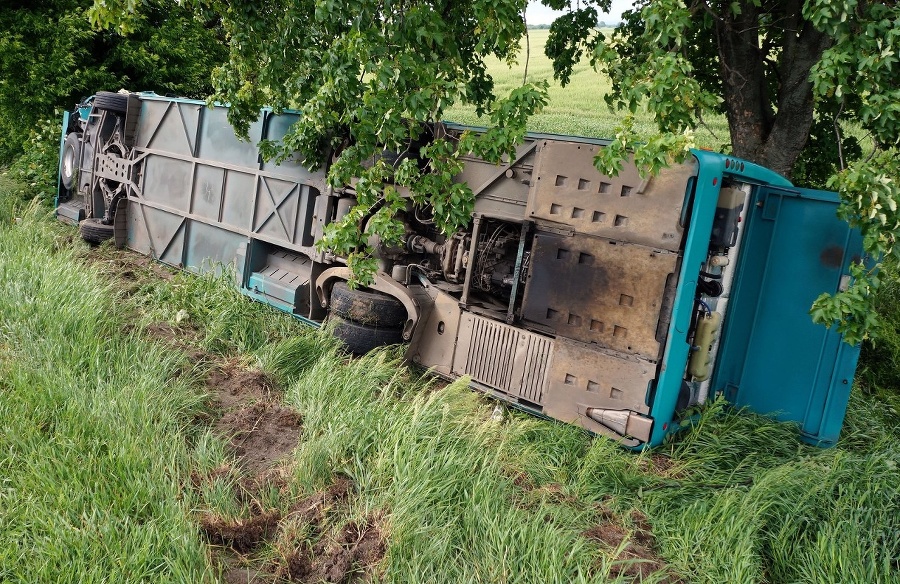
261	431
352	556
127	265
312	509
182	338
230	385
241	535
261	434
636	558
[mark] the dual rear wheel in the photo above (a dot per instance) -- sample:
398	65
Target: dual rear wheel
365	319
93	230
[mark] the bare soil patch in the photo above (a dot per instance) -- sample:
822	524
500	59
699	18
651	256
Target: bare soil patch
241	535
126	264
180	337
636	557
131	269
261	431
246	410
312	509
353	555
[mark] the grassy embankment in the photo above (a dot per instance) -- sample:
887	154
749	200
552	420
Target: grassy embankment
102	432
108	463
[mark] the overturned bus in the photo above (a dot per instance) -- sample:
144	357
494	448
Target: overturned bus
613	303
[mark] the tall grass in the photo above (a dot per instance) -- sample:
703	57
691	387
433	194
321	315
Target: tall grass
735	499
444	472
93	427
99	436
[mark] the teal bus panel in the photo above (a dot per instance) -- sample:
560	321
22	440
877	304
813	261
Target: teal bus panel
774	359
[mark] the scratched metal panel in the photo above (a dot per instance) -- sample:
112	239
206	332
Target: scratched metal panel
167	181
157	233
210	248
568	189
239	189
284	210
168	126
598	291
592	377
206	199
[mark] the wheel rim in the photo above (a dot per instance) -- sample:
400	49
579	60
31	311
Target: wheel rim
69	162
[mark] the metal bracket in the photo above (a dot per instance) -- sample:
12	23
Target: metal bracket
383	283
120	224
501	171
517	272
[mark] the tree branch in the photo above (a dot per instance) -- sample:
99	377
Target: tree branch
837	133
527	49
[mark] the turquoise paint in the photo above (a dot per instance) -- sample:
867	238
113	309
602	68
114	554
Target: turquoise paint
774	359
62	147
712	169
263	299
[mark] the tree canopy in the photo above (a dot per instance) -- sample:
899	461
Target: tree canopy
793	78
51	56
369	76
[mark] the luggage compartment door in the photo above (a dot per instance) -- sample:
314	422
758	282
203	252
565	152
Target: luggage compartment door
774	359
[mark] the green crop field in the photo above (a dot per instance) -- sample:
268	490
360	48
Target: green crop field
159	427
579	107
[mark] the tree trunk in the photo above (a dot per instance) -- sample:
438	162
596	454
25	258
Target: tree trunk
771	136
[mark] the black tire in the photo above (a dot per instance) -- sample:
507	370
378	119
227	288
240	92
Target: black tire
367	307
359	339
109	101
93	231
68	164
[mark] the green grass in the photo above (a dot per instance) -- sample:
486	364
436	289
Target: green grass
93	459
100	428
577	109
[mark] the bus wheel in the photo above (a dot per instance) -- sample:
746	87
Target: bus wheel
367	307
93	231
68	166
112	102
359	339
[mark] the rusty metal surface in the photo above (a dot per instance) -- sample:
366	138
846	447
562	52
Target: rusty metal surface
434	340
598	291
588	375
568	189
